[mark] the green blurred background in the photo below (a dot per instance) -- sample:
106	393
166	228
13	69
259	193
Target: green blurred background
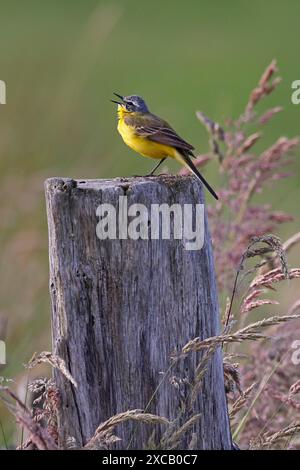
61	61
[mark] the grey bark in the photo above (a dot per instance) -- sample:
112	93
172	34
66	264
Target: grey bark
121	308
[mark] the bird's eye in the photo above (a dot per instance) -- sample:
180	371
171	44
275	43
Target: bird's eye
129	105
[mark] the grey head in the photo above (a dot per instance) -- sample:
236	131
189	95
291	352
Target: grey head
132	103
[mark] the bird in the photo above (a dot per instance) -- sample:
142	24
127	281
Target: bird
153	137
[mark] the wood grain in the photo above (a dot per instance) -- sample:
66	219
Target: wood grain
120	308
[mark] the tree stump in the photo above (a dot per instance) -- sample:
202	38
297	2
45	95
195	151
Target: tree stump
122	307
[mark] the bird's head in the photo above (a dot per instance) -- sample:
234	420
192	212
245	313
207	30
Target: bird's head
131	104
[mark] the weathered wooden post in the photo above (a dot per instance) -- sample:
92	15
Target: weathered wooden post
122	307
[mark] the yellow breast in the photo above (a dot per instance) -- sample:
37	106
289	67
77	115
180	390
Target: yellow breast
142	145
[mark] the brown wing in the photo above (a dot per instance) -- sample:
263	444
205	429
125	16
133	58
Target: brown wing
158	130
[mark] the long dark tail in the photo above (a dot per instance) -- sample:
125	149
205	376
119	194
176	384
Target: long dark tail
186	160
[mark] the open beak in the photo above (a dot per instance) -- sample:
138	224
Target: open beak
118	102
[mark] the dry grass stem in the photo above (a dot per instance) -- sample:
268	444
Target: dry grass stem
250	332
54	361
103	433
241	401
39	436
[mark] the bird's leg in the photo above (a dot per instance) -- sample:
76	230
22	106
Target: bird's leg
153	171
156	166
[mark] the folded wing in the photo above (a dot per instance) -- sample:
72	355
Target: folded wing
164	135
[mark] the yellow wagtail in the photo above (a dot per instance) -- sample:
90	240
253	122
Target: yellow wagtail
151	136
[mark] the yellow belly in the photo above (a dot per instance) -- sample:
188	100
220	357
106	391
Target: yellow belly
143	146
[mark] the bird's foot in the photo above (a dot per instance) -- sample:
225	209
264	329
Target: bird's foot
148	175
143	176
